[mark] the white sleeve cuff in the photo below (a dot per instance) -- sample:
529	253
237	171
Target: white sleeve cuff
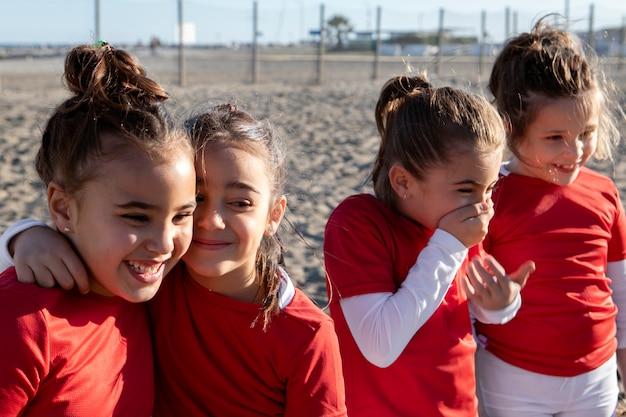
6	260
501	316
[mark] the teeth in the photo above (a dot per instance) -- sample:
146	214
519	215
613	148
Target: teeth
152	269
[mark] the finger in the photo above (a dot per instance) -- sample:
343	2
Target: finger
41	277
24	274
501	278
78	273
470	291
476	276
486	275
521	275
476	212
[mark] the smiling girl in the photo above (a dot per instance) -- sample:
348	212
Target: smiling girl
557	357
121	190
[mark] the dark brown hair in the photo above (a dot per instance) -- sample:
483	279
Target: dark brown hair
550	63
114	108
422	126
227	125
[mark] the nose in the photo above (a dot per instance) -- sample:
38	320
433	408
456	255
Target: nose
574	149
162	239
209	219
485	197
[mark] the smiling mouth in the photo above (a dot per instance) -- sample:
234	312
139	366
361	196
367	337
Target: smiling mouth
211	245
567	168
146	272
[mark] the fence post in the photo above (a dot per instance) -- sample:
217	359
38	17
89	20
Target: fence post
320	49
591	35
483	42
255	44
182	72
377	47
97	19
507	23
440	43
622	44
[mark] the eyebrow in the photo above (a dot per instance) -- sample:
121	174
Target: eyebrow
472	182
238	185
242	186
145	206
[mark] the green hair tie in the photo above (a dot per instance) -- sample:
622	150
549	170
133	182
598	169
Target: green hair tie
100	43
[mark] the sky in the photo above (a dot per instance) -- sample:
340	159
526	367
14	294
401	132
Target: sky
230	22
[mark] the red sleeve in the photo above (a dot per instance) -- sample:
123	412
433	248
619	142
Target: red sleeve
356	254
316	387
23	350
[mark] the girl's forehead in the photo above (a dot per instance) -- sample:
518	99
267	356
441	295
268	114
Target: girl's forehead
584	103
227	164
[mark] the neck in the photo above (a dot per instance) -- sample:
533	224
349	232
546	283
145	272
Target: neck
245	288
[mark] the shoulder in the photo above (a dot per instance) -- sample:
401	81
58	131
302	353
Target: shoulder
362	213
595	182
304	313
359	202
22	296
587	174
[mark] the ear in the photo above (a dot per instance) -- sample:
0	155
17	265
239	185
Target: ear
59	206
401	181
276	215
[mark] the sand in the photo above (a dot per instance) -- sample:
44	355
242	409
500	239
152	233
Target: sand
329	128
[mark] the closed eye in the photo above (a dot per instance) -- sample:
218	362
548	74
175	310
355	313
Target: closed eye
136	218
241	203
183	216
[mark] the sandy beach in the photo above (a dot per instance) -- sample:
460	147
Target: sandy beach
329	128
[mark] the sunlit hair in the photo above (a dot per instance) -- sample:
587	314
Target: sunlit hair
228	126
114	112
546	64
422	127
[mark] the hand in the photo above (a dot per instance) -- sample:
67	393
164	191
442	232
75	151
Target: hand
469	224
45	257
488	286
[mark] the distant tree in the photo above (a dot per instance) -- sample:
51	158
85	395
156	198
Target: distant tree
338	28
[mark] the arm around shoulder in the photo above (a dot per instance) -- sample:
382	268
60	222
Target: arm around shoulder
6	257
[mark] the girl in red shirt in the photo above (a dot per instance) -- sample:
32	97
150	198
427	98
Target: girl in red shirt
557	356
121	190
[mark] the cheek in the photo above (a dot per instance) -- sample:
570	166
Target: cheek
590	147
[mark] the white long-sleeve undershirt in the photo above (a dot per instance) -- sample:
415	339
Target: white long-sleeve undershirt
382	324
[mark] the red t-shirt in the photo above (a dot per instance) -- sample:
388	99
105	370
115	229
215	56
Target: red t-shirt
67	354
566	325
210	362
369	248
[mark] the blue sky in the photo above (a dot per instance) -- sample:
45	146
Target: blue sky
279	21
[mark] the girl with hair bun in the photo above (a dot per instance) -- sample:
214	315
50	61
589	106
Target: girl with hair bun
396	260
121	188
558	357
